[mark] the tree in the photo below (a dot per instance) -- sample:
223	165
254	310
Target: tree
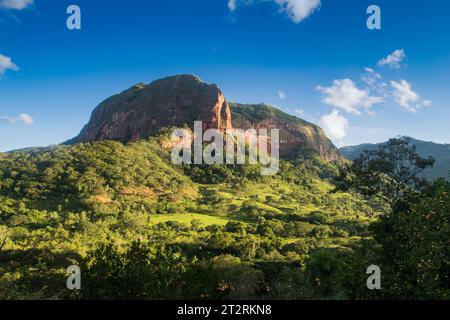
142	272
234	279
4	233
323	268
415	244
388	173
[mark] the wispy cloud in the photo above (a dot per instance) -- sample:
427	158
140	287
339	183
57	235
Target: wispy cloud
23	117
394	60
301	113
232	5
344	94
296	10
371	77
375	82
6	64
281	95
15	4
406	97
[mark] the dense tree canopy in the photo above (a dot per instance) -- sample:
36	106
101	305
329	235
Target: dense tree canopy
142	228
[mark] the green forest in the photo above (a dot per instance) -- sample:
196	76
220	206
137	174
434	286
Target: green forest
140	227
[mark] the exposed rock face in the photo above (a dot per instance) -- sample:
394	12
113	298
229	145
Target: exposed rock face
142	110
298	138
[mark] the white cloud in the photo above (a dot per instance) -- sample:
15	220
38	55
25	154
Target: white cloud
403	93
344	94
26	118
232	5
281	95
15	4
23	117
6	64
394	60
297	10
335	125
405	96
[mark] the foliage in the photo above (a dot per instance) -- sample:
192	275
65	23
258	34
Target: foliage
142	228
415	244
389	172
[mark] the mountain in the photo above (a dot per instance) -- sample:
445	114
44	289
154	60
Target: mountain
142	110
139	112
298	138
440	152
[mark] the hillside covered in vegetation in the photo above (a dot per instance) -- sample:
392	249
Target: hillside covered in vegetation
63	205
140	227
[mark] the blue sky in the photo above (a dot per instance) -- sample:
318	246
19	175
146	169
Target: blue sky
312	58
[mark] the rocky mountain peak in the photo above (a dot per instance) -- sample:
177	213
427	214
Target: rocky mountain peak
142	110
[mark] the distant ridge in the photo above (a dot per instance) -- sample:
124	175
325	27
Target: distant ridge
440	152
